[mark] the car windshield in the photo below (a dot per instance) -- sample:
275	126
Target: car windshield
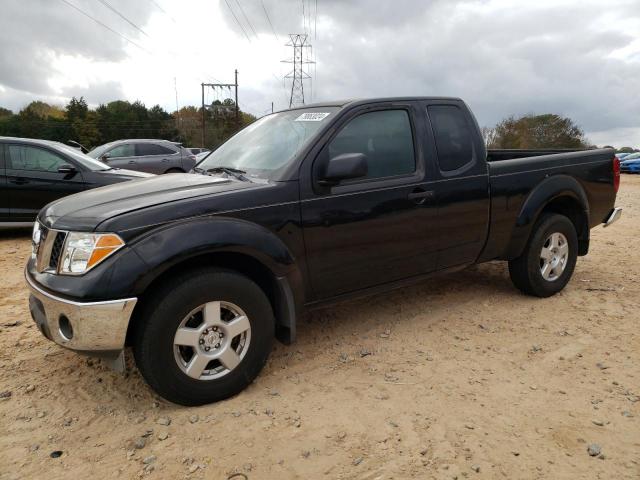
269	143
633	156
85	160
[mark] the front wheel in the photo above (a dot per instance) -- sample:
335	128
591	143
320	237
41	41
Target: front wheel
204	336
547	263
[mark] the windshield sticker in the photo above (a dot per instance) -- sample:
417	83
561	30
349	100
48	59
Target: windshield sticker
312	117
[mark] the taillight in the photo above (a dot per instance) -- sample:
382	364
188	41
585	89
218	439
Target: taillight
192	157
616	173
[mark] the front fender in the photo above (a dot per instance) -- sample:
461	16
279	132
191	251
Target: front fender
542	195
169	245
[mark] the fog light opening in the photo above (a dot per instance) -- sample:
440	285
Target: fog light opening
65	328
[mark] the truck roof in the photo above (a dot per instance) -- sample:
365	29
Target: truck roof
355	101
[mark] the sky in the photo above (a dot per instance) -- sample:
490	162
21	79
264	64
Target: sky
576	58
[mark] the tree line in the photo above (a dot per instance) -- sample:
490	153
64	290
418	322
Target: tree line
537	132
121	119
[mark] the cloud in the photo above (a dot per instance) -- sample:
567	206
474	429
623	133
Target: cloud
502	57
571	57
97	94
34	36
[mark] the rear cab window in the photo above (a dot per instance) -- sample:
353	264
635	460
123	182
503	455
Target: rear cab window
453	137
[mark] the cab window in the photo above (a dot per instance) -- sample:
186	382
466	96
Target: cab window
384	136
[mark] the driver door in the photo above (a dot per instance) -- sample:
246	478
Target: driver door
380	228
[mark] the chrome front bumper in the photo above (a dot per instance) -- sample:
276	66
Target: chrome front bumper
90	327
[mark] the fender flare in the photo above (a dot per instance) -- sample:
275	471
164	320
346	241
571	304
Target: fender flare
541	196
171	245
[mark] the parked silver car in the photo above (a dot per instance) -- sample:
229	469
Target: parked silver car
145	155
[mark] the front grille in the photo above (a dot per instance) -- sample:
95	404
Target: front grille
56	250
49	249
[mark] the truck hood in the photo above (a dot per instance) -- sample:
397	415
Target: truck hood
86	210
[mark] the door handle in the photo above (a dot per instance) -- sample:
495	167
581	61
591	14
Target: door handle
420	196
19	181
132	162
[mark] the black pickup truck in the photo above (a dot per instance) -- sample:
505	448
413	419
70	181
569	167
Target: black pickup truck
200	272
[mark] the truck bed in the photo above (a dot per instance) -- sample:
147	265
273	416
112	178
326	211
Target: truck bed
515	174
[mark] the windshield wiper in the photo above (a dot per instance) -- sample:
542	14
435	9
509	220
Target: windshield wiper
233	172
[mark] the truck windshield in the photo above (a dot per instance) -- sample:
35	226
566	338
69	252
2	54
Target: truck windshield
270	142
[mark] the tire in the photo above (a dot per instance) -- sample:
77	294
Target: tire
163	357
174	170
551	232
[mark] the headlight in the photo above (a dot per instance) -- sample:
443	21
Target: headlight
83	251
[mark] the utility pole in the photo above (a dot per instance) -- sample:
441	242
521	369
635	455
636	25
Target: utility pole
221	85
202	144
298	75
175	86
237	107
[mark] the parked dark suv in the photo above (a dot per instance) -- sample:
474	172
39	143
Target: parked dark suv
152	156
34	173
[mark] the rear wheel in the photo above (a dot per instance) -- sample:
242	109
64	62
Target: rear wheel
204	337
548	260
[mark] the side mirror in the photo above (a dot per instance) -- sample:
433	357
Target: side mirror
105	157
66	169
344	167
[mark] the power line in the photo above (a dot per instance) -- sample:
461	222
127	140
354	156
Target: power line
246	18
269	20
304	19
237	21
163	11
110	7
105	26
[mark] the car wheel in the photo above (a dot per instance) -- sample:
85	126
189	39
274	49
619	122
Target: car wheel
204	336
548	260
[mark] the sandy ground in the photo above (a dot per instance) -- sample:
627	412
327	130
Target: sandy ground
458	377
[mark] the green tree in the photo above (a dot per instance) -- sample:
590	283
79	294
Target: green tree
220	122
537	131
76	109
42	110
627	150
121	119
81	121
